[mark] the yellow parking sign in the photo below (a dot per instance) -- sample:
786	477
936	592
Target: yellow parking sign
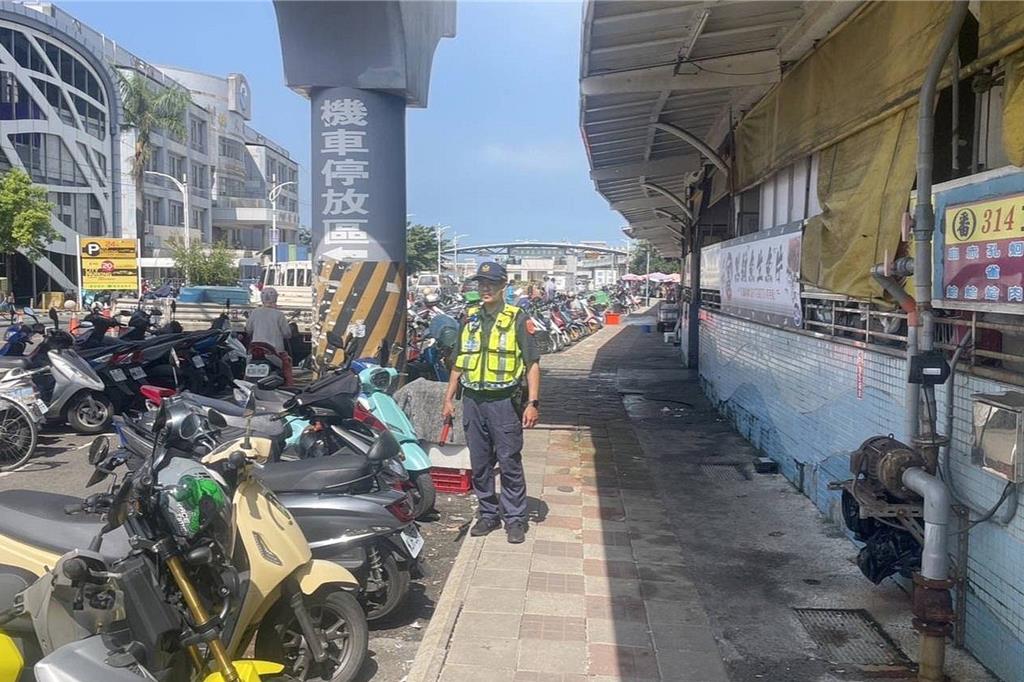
109	264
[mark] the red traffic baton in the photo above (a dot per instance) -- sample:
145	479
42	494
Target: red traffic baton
446	431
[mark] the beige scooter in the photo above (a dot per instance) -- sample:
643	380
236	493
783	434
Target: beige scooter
300	610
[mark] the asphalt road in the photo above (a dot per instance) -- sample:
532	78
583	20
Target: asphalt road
60	466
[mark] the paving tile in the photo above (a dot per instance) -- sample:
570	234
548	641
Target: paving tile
604	524
561	549
486	625
532	676
512	561
620	632
500	578
555	604
554	480
672	612
557	564
570	522
561	510
615	608
609	569
611	587
605	537
475	673
561	583
556	628
494	600
499	654
544	532
557	656
623	661
675	636
609	513
563	499
682	591
608	552
692	666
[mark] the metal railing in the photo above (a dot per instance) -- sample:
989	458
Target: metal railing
997	353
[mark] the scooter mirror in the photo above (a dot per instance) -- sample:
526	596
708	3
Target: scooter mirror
53	316
28	311
216	419
98	450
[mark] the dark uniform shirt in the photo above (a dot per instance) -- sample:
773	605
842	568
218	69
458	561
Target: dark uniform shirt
527	350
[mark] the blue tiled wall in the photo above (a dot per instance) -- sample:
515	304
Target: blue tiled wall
796	398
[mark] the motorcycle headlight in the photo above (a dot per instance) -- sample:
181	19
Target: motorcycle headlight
196	503
380	379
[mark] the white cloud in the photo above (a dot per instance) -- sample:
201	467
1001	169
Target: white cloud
533	158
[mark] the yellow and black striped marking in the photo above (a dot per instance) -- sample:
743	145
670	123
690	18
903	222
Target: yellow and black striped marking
365	299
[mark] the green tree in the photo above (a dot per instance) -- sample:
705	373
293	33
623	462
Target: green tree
149	108
25	217
204	267
638	263
421	247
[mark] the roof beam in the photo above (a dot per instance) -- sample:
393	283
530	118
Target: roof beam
670	165
695	142
680	203
754	68
658	201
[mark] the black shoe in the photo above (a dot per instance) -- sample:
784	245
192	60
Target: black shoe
484	526
516	532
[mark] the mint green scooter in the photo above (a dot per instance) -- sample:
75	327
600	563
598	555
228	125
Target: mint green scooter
376	398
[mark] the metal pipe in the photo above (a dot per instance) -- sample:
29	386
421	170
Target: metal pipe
912	396
924	219
937	514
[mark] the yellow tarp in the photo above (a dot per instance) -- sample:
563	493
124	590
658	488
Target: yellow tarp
871	66
999	24
1013	109
863	185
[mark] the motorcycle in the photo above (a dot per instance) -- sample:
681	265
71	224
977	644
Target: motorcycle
376	382
190	552
21	412
19	335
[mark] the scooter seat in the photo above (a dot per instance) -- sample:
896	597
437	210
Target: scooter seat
314	475
38	519
13	362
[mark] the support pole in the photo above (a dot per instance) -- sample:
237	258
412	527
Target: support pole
693	329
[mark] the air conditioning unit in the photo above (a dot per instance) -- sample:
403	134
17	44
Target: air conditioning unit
998	429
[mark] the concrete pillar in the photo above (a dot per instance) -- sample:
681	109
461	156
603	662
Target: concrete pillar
360	63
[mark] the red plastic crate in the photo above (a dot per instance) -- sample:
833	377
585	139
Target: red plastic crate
611	318
451	480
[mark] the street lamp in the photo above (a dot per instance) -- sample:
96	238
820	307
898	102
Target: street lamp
440	229
275	192
182	186
455	247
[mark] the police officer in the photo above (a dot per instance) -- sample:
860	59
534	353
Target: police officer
496	351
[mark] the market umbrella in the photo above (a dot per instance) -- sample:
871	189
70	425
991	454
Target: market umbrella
630	277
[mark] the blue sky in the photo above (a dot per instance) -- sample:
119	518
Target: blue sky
497	154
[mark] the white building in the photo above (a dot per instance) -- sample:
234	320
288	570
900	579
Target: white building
60	121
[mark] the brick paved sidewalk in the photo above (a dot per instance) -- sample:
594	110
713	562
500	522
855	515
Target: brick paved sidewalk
596	592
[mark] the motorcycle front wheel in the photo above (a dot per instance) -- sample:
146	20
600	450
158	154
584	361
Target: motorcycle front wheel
18	435
424	493
90	413
346	637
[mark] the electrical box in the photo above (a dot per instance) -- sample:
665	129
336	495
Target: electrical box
998	429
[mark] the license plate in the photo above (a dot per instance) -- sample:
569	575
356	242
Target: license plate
118	375
413	540
41	406
198	361
137	373
257	370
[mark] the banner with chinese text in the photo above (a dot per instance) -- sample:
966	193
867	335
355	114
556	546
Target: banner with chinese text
983	253
760	276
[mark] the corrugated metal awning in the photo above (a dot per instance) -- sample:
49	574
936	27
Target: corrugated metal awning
694	65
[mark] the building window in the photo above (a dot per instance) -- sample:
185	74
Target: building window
153	162
176	165
55	97
15	102
74	72
197	178
197	134
151	208
48	160
93	117
176	212
231	149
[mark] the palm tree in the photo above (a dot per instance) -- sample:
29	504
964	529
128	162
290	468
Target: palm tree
149	108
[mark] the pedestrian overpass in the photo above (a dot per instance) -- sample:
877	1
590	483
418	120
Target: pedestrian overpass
511	248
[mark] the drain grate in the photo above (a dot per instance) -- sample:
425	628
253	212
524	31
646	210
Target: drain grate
723	471
851	637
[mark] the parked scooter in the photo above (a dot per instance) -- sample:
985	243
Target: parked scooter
376	383
19	335
192	552
21	411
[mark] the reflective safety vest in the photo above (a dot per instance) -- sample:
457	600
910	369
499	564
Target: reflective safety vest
498	363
